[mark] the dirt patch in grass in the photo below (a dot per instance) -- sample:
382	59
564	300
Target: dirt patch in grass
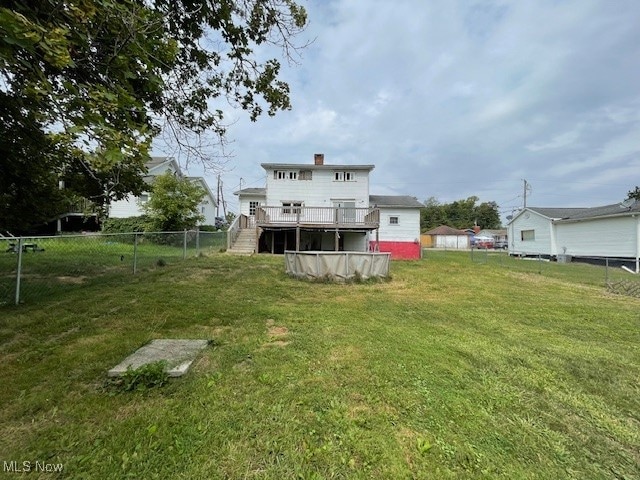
199	275
62	335
276	343
244	365
71	280
345	353
276	335
204	364
278	332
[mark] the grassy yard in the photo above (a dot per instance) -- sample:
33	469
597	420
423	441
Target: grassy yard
64	262
453	369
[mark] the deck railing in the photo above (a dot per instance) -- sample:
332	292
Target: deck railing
318	216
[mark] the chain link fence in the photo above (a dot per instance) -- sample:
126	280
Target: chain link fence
36	267
616	274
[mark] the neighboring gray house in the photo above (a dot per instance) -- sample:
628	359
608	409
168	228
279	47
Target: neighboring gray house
608	231
499	235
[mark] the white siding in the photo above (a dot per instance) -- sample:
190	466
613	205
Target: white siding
453	242
131	206
125	208
544	242
245	200
355	242
209	207
610	237
321	190
406	230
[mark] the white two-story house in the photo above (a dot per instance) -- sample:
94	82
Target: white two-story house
132	206
326	207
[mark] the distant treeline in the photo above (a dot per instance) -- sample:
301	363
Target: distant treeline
459	214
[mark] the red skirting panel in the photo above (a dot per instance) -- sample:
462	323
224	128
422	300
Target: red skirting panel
399	250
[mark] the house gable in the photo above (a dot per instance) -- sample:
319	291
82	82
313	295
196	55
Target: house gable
132	206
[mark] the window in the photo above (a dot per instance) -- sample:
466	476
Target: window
344	176
394	221
292	207
144	198
285	175
527	235
252	207
305	175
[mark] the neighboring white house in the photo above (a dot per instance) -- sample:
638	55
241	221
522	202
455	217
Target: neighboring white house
608	231
328	207
132	206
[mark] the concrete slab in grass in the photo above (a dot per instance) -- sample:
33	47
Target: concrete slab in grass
178	354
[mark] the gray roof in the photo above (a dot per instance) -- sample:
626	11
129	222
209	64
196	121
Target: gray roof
556	213
398	201
446	230
155	161
311	166
570	214
616	209
251	191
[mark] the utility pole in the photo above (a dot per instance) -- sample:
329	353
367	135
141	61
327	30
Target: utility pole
224	204
218	198
527	188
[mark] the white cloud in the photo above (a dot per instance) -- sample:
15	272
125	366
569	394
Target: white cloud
449	99
566	139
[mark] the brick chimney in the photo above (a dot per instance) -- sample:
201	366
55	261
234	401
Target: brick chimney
318	158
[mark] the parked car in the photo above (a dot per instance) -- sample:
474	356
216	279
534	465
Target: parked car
484	242
501	245
221	223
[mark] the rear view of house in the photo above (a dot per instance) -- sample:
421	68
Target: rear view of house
322	207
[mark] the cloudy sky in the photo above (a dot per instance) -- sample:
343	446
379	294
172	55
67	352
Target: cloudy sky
454	98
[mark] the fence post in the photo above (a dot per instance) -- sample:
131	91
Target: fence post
184	245
606	271
135	253
197	242
472	249
539	264
19	271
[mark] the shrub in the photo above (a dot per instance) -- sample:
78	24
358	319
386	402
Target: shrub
125	225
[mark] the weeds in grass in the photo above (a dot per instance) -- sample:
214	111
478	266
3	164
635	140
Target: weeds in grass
146	377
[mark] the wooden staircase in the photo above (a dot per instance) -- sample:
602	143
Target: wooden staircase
245	244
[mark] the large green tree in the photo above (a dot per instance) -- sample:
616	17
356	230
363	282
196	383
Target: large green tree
459	214
86	85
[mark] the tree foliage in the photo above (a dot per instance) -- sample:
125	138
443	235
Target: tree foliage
459	214
173	204
634	194
85	86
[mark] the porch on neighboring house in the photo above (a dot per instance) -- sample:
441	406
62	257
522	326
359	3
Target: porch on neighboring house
80	214
299	228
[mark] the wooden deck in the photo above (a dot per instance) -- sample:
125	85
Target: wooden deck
317	217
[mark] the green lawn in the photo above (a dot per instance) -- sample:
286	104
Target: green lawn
452	369
63	263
